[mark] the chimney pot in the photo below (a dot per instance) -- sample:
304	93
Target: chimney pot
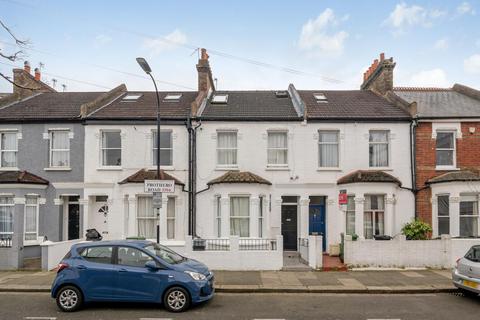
26	66
382	56
37	74
204	55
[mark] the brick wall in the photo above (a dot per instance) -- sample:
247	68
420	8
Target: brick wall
468	157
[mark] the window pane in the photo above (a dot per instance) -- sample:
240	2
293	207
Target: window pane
277	140
227	157
239	216
165	139
6	216
350	227
328	136
328	155
171	218
60	140
379	223
378	155
277	156
443	225
378	136
445	157
445	140
145	207
112	157
60	158
227	139
98	254
9	141
468	208
132	257
111	139
374	202
443	205
368	225
9	159
351	203
468	226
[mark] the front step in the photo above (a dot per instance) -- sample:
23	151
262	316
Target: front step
32	264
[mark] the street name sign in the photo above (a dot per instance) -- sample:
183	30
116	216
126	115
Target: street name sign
163	186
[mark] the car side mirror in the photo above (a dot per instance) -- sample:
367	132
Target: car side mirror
152	265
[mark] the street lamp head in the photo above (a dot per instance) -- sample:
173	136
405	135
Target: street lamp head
144	65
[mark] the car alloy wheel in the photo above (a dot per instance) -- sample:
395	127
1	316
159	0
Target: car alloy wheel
177	299
69	299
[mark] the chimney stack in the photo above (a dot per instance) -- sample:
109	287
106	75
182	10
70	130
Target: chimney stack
26	66
379	76
37	74
205	81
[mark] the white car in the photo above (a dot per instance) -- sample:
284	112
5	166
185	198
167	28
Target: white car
466	274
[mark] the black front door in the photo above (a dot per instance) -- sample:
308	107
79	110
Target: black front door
289	227
73	221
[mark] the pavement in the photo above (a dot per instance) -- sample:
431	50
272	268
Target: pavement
390	281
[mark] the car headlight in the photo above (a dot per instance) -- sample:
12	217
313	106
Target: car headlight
196	276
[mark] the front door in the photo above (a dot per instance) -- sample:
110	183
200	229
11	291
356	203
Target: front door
317	222
99	216
289	227
73	221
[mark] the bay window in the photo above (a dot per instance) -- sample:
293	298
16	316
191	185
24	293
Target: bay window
8	149
7	208
374	216
59	148
378	148
31	218
227	148
277	148
445	148
328	151
468	216
240	216
166	148
111	148
443	214
146	218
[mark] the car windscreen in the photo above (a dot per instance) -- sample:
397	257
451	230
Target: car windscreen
473	254
164	253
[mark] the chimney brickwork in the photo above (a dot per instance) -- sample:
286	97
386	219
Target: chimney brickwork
205	81
26	85
379	76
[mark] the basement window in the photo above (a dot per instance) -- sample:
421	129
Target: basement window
131	97
320	97
220	98
172	97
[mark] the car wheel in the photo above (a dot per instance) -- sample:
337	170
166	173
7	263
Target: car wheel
468	293
176	299
69	299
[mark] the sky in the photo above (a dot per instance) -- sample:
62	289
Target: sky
253	45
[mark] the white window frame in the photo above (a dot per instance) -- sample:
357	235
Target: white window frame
443	217
218	150
347	212
240	217
154	150
469	198
277	165
170	218
218	216
380	143
328	143
37	211
374	219
12	150
51	135
102	148
153	218
454	149
13	206
261	216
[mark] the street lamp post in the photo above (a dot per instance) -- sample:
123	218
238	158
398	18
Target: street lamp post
146	68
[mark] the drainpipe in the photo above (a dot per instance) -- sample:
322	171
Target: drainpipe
413	160
194	179
190	194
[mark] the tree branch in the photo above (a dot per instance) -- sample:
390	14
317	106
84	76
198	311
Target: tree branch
13	57
17	41
16	84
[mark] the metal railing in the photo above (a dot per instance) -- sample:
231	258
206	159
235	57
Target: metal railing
211	244
303	242
5	242
257	244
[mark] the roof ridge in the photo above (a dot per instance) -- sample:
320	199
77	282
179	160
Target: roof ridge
421	89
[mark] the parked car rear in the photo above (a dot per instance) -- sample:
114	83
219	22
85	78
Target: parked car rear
133	271
466	274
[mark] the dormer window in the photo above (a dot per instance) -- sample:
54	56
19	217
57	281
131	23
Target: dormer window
172	97
320	97
220	98
131	97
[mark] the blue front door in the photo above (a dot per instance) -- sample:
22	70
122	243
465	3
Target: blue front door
317	222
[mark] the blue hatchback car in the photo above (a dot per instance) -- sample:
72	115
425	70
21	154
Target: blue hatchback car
130	270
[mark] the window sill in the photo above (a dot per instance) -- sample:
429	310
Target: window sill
112	168
446	168
329	169
30	243
381	168
277	168
58	169
9	169
166	168
235	168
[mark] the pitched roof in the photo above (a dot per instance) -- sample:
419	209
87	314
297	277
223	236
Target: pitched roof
23	177
144	174
250	105
48	105
239	177
463	175
145	107
360	176
350	105
440	102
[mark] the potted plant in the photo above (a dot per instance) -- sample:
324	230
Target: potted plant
416	230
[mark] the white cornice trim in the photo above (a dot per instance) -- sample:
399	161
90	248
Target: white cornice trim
68	185
22	186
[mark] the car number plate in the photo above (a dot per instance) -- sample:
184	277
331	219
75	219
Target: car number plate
470	284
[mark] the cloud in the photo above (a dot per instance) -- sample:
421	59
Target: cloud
317	35
102	39
168	42
465	8
472	64
429	78
404	17
441	44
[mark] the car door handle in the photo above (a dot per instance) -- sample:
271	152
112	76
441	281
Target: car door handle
82	267
122	270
